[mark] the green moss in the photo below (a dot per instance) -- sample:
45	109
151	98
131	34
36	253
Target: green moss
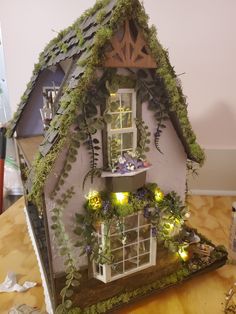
116	81
105	306
42	166
72	100
100	16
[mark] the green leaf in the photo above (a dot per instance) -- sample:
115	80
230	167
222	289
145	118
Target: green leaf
60	309
54	226
63	251
77	275
78	231
107	118
75	283
68	304
54	218
63	292
69	293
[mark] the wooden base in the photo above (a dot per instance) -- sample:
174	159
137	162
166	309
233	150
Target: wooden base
169	271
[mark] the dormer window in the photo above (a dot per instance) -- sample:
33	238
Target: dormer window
47	112
122	132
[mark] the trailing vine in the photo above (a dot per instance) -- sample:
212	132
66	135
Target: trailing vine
150	91
143	135
71	158
65	250
165	212
113	152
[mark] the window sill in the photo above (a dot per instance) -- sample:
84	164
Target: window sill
109	174
127	182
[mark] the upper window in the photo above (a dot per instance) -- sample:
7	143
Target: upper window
47	112
122	132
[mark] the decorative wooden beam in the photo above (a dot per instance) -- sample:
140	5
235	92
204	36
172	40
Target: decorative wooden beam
130	51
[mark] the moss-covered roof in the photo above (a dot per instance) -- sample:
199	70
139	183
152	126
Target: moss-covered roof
85	41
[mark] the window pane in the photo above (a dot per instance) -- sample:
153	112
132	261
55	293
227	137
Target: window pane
114	102
131	264
116	121
116	242
144	259
118	255
116	269
131	236
144	247
143	220
126	101
131	222
113	228
116	143
131	251
144	233
126	120
127	141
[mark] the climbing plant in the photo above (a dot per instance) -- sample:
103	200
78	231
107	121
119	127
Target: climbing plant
66	251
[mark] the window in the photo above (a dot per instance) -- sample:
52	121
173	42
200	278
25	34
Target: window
136	251
122	131
47	112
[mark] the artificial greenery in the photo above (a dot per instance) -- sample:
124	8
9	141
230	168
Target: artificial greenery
65	249
182	273
115	81
72	98
166	214
143	136
67	166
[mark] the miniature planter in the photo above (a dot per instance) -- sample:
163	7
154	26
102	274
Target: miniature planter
128	182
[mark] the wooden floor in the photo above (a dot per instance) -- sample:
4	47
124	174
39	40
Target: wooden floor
202	295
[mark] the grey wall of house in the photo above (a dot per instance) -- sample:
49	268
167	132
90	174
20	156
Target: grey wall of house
31	121
168	171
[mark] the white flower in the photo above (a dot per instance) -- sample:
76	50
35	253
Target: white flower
187	215
121	160
124	240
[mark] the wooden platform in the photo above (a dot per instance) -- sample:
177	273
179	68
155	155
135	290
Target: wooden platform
29	146
201	295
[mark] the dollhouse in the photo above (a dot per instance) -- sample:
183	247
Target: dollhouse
104	143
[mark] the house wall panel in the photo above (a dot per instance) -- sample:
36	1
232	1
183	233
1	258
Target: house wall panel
31	123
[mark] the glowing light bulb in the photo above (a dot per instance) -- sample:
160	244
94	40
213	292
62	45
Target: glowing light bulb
171	226
183	253
94	200
122	197
159	195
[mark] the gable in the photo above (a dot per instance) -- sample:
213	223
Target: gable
129	49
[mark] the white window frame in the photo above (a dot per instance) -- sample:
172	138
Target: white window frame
132	129
105	270
50	88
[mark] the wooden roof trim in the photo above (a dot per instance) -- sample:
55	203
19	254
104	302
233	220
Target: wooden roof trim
129	51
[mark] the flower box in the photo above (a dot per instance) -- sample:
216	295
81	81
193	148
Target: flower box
128	182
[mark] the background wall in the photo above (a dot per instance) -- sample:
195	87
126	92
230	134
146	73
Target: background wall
199	35
4	103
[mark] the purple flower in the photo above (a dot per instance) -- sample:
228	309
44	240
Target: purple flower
88	249
154	231
105	206
140	194
146	212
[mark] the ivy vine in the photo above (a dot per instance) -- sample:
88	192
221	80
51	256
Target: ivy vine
65	250
143	136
